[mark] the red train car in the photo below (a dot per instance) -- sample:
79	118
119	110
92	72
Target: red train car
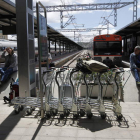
108	45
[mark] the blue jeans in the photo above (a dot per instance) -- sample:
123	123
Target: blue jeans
5	73
136	74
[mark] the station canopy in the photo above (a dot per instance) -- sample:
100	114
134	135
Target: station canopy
130	29
8	24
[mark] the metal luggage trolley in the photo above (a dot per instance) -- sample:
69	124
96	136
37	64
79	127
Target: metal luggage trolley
116	80
78	103
51	102
30	103
64	91
111	77
96	104
81	103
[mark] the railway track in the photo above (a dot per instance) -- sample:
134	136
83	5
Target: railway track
72	63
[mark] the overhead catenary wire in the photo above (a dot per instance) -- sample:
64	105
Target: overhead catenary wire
104	22
63	2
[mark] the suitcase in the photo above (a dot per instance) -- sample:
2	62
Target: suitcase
14	87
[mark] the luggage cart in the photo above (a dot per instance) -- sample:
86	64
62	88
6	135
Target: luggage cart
51	102
64	91
96	104
30	103
81	103
115	79
75	105
119	72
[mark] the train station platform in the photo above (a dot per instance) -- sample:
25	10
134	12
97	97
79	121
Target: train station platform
29	127
20	127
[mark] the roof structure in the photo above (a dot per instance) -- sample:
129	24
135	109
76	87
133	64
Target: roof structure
130	29
8	24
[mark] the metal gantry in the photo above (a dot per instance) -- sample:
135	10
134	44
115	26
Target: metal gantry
71	18
96	6
80	35
107	22
81	30
83	7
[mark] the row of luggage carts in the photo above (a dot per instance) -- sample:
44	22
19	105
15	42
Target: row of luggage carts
68	100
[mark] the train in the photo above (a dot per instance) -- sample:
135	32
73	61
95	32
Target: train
13	44
6	43
108	45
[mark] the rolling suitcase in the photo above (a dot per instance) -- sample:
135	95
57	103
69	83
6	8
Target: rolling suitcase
14	87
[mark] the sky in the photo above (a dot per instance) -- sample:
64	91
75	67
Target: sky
90	19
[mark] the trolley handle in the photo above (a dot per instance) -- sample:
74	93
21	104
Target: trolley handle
52	68
113	69
46	71
57	73
74	70
61	70
119	68
65	66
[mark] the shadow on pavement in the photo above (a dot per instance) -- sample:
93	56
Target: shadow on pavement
93	125
9	124
97	124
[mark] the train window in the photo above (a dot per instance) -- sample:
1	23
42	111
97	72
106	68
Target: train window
115	47
100	47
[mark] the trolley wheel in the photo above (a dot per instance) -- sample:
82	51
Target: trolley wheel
67	112
21	107
103	116
54	112
89	115
33	108
29	111
82	112
119	117
62	116
48	115
75	116
17	111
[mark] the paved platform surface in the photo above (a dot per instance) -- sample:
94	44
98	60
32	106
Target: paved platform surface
20	127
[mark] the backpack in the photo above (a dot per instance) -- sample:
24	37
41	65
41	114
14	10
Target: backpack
81	67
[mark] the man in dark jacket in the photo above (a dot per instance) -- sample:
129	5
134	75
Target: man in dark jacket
135	63
108	62
10	66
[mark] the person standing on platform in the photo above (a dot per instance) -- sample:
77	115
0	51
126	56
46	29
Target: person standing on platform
108	62
49	58
10	66
135	63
